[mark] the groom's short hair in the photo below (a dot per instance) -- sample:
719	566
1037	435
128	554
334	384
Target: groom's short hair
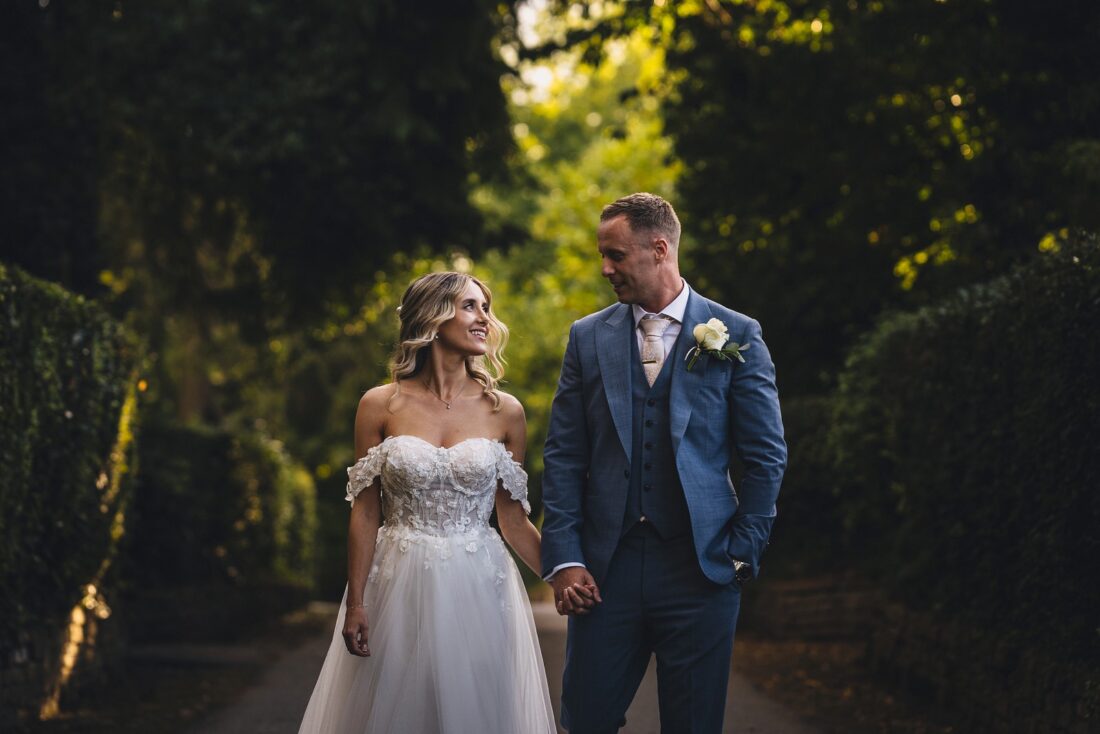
646	213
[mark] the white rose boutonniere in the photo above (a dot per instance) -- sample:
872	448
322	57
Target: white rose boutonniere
712	339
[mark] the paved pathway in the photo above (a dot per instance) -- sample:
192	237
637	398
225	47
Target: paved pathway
274	705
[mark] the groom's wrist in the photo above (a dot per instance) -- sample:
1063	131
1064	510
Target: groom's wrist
742	571
568	564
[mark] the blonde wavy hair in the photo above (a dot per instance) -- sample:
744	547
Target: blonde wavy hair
428	303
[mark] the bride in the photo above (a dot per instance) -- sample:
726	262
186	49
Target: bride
435	617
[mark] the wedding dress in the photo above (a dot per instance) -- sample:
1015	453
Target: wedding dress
452	640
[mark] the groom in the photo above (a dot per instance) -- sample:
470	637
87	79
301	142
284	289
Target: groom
645	541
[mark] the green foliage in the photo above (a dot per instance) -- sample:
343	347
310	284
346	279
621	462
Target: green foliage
964	452
211	507
835	151
589	137
228	196
299	159
844	157
806	527
67	408
48	165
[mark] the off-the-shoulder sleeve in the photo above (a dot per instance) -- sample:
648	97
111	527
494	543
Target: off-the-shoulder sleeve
362	473
513	477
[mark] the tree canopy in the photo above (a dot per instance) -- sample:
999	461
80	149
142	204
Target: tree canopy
230	175
844	156
247	152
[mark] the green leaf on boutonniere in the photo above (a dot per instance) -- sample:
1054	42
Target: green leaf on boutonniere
692	357
734	349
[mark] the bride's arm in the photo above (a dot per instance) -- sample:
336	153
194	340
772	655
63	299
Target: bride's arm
516	528
366	517
362	533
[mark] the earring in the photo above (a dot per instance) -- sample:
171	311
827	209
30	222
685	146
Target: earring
436	337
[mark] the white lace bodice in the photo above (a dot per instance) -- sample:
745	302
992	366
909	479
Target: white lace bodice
438	491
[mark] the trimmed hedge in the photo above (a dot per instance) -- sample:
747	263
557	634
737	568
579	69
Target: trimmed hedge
213	512
67	405
806	526
965	444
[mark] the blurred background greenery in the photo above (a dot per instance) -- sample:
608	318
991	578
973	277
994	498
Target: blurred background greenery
235	193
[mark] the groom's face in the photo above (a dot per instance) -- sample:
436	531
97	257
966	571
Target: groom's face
629	262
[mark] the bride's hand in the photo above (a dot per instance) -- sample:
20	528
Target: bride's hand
355	632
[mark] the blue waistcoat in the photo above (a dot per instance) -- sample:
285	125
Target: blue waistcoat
655	490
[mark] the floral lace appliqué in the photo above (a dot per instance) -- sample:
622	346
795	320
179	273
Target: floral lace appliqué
441	491
513	478
362	473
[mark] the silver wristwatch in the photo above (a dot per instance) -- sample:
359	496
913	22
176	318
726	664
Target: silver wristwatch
742	571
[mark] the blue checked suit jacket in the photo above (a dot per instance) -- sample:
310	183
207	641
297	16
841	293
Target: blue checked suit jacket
718	410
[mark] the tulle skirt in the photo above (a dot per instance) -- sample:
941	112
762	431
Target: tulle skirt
452	640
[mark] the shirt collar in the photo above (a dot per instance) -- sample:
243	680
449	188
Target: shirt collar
674	310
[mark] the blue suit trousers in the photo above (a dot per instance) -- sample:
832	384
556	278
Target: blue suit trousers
656	600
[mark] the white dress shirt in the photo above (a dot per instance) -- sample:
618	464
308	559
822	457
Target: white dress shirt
675	312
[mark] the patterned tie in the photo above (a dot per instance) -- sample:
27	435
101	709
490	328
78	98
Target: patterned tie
653	346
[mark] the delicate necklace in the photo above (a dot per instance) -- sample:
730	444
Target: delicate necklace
439	397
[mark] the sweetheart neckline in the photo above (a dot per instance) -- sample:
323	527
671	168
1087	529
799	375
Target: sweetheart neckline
426	442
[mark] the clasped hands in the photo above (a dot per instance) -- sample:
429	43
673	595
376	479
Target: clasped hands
575	591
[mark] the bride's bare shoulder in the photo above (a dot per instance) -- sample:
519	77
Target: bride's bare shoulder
377	398
510	407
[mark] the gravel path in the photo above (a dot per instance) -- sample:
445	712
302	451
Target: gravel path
274	705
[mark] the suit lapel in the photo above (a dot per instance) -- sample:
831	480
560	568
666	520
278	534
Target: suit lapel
613	352
684	382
